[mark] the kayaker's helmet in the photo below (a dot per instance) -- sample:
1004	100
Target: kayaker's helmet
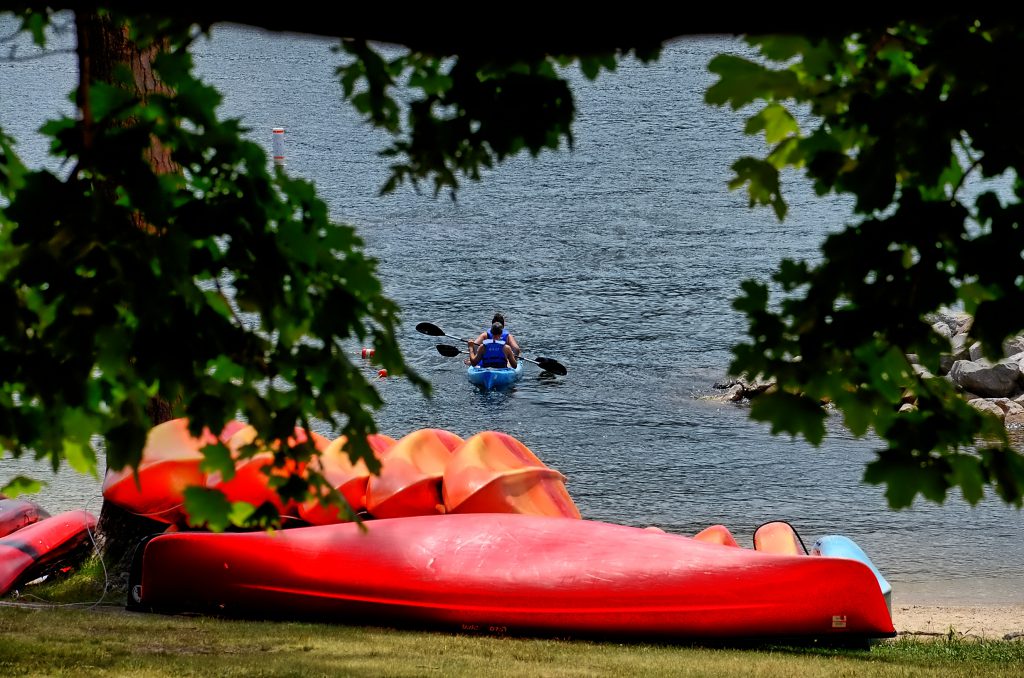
496	330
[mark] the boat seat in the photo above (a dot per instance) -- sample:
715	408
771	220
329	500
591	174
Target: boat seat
716	534
839	546
779	537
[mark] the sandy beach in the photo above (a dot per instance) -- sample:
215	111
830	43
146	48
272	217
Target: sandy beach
992	622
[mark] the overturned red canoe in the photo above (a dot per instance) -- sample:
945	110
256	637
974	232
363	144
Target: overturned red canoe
35	550
512	574
18	513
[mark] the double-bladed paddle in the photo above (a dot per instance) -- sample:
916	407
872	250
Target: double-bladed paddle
546	364
433	330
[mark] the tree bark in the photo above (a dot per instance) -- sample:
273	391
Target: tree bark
104	48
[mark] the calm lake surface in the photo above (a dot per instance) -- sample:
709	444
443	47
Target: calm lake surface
619	259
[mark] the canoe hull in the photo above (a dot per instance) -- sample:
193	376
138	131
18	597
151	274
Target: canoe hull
512	574
42	546
488	378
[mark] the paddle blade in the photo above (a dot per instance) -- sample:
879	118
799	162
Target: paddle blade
430	328
552	366
448	351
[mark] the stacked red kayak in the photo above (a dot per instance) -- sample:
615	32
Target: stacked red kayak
427	472
43	546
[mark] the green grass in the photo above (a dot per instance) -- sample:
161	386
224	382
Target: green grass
85	585
61	637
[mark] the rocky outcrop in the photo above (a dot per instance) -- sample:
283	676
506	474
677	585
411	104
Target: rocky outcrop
996	388
741	389
1001	380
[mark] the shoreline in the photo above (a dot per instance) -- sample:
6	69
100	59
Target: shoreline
988	622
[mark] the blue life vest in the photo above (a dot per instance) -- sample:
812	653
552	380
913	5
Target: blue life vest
504	335
494	351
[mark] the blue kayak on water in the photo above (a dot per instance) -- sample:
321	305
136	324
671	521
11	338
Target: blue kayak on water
489	378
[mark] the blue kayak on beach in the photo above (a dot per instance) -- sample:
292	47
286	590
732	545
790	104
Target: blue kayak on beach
489	378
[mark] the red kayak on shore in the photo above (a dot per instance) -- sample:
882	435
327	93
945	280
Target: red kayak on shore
18	513
43	547
513	574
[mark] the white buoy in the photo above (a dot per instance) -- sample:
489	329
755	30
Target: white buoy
279	146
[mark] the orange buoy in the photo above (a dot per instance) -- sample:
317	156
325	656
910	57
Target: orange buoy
382	374
368	352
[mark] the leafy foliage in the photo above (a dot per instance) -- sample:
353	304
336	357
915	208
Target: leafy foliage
224	289
902	118
469	112
102	289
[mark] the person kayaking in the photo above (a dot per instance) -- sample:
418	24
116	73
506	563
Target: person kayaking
505	336
494	351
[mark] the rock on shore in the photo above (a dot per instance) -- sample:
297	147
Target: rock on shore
996	388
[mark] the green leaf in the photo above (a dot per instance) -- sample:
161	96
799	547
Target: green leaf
591	65
907	473
108	99
948	181
742	82
225	370
901	61
775	121
857	415
80	457
1004	468
35	23
240	513
754	299
207	508
780	47
762	180
20	485
432	83
792	274
12	170
217	459
79	426
789	413
900	474
966	472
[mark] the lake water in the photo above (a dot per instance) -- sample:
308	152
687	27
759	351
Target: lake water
619	259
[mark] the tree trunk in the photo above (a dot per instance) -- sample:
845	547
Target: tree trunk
104	46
